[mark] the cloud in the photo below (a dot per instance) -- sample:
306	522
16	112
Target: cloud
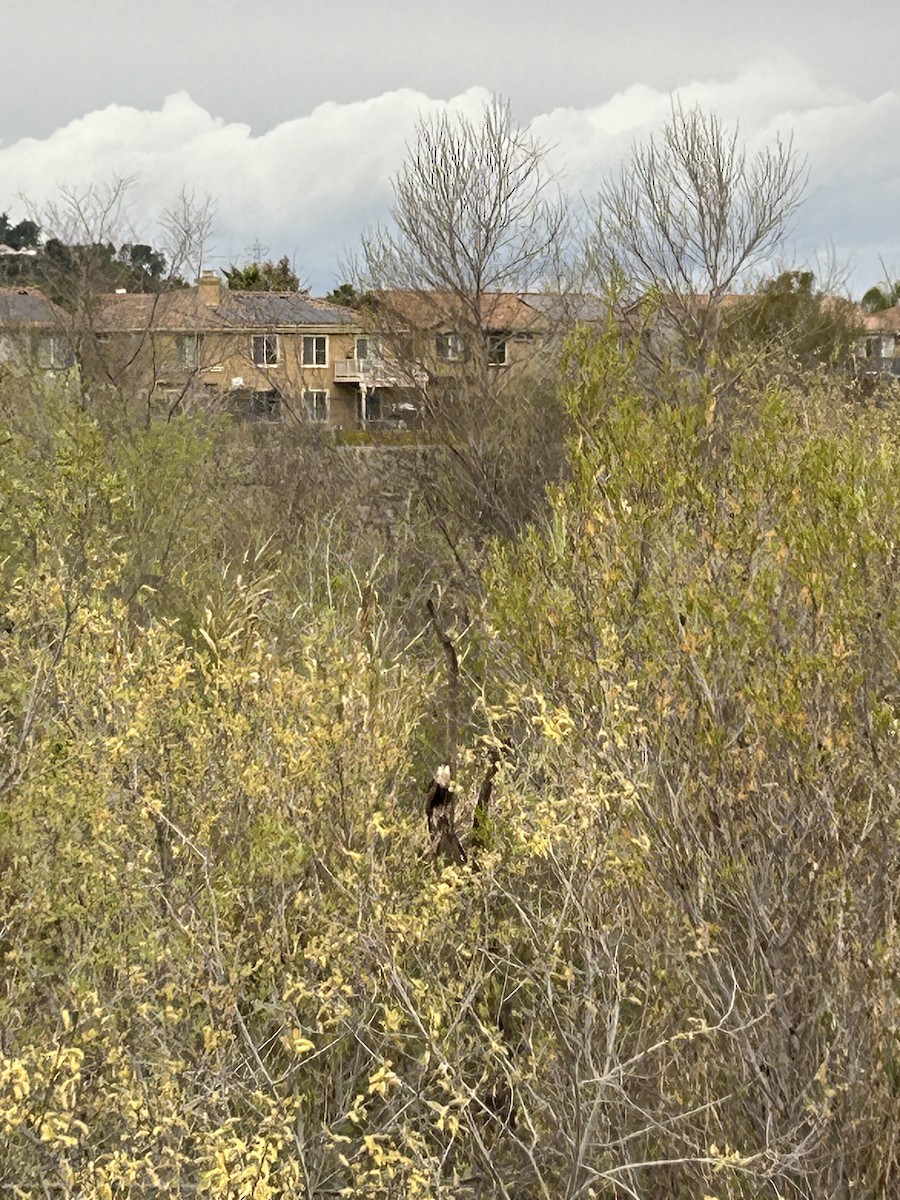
308	186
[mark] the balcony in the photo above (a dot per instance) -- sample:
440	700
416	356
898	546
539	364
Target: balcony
376	373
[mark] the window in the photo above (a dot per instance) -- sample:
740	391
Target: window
263	406
315	351
880	346
317	405
53	353
449	346
265	350
368	347
250	405
496	349
186	347
372	408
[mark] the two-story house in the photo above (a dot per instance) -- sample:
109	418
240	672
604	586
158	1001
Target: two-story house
268	355
258	354
420	343
34	333
878	352
502	328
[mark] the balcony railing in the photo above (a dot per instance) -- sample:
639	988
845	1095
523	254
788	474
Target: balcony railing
375	372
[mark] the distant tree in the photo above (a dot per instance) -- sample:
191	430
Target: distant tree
71	258
23	236
346	294
789	311
80	258
144	260
882	296
264	277
65	269
18	269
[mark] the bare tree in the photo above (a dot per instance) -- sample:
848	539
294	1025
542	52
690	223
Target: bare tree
81	229
90	249
690	213
96	215
186	226
476	222
473	210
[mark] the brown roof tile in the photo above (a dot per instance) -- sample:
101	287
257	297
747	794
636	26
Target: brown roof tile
184	311
882	322
28	306
498	311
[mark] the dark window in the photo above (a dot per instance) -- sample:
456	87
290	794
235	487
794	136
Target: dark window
315	351
53	353
449	346
187	351
263	406
373	405
317	405
265	350
496	349
368	347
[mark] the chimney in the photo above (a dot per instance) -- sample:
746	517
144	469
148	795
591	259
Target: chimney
209	288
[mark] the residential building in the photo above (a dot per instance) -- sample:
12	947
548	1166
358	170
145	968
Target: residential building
262	355
33	332
419	343
879	347
283	355
447	327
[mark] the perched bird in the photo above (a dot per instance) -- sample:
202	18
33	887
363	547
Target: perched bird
440	801
440	805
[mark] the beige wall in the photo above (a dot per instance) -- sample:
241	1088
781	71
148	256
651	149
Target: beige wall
153	364
36	348
156	361
232	355
421	347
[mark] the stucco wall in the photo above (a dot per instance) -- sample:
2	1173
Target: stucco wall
145	362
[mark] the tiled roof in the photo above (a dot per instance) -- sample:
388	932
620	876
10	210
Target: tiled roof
887	321
499	311
183	310
250	309
574	306
27	306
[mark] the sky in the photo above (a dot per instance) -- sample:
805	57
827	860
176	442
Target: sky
294	115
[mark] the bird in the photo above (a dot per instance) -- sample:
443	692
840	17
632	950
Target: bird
440	801
440	804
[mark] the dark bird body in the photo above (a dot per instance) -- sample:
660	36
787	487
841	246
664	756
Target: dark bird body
438	806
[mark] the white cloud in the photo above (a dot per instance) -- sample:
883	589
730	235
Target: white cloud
308	186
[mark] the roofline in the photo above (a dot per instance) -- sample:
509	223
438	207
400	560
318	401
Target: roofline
152	327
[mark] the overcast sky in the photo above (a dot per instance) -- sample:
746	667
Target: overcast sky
294	114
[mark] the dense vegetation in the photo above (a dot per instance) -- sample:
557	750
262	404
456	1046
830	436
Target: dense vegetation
61	269
264	277
643	602
231	966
